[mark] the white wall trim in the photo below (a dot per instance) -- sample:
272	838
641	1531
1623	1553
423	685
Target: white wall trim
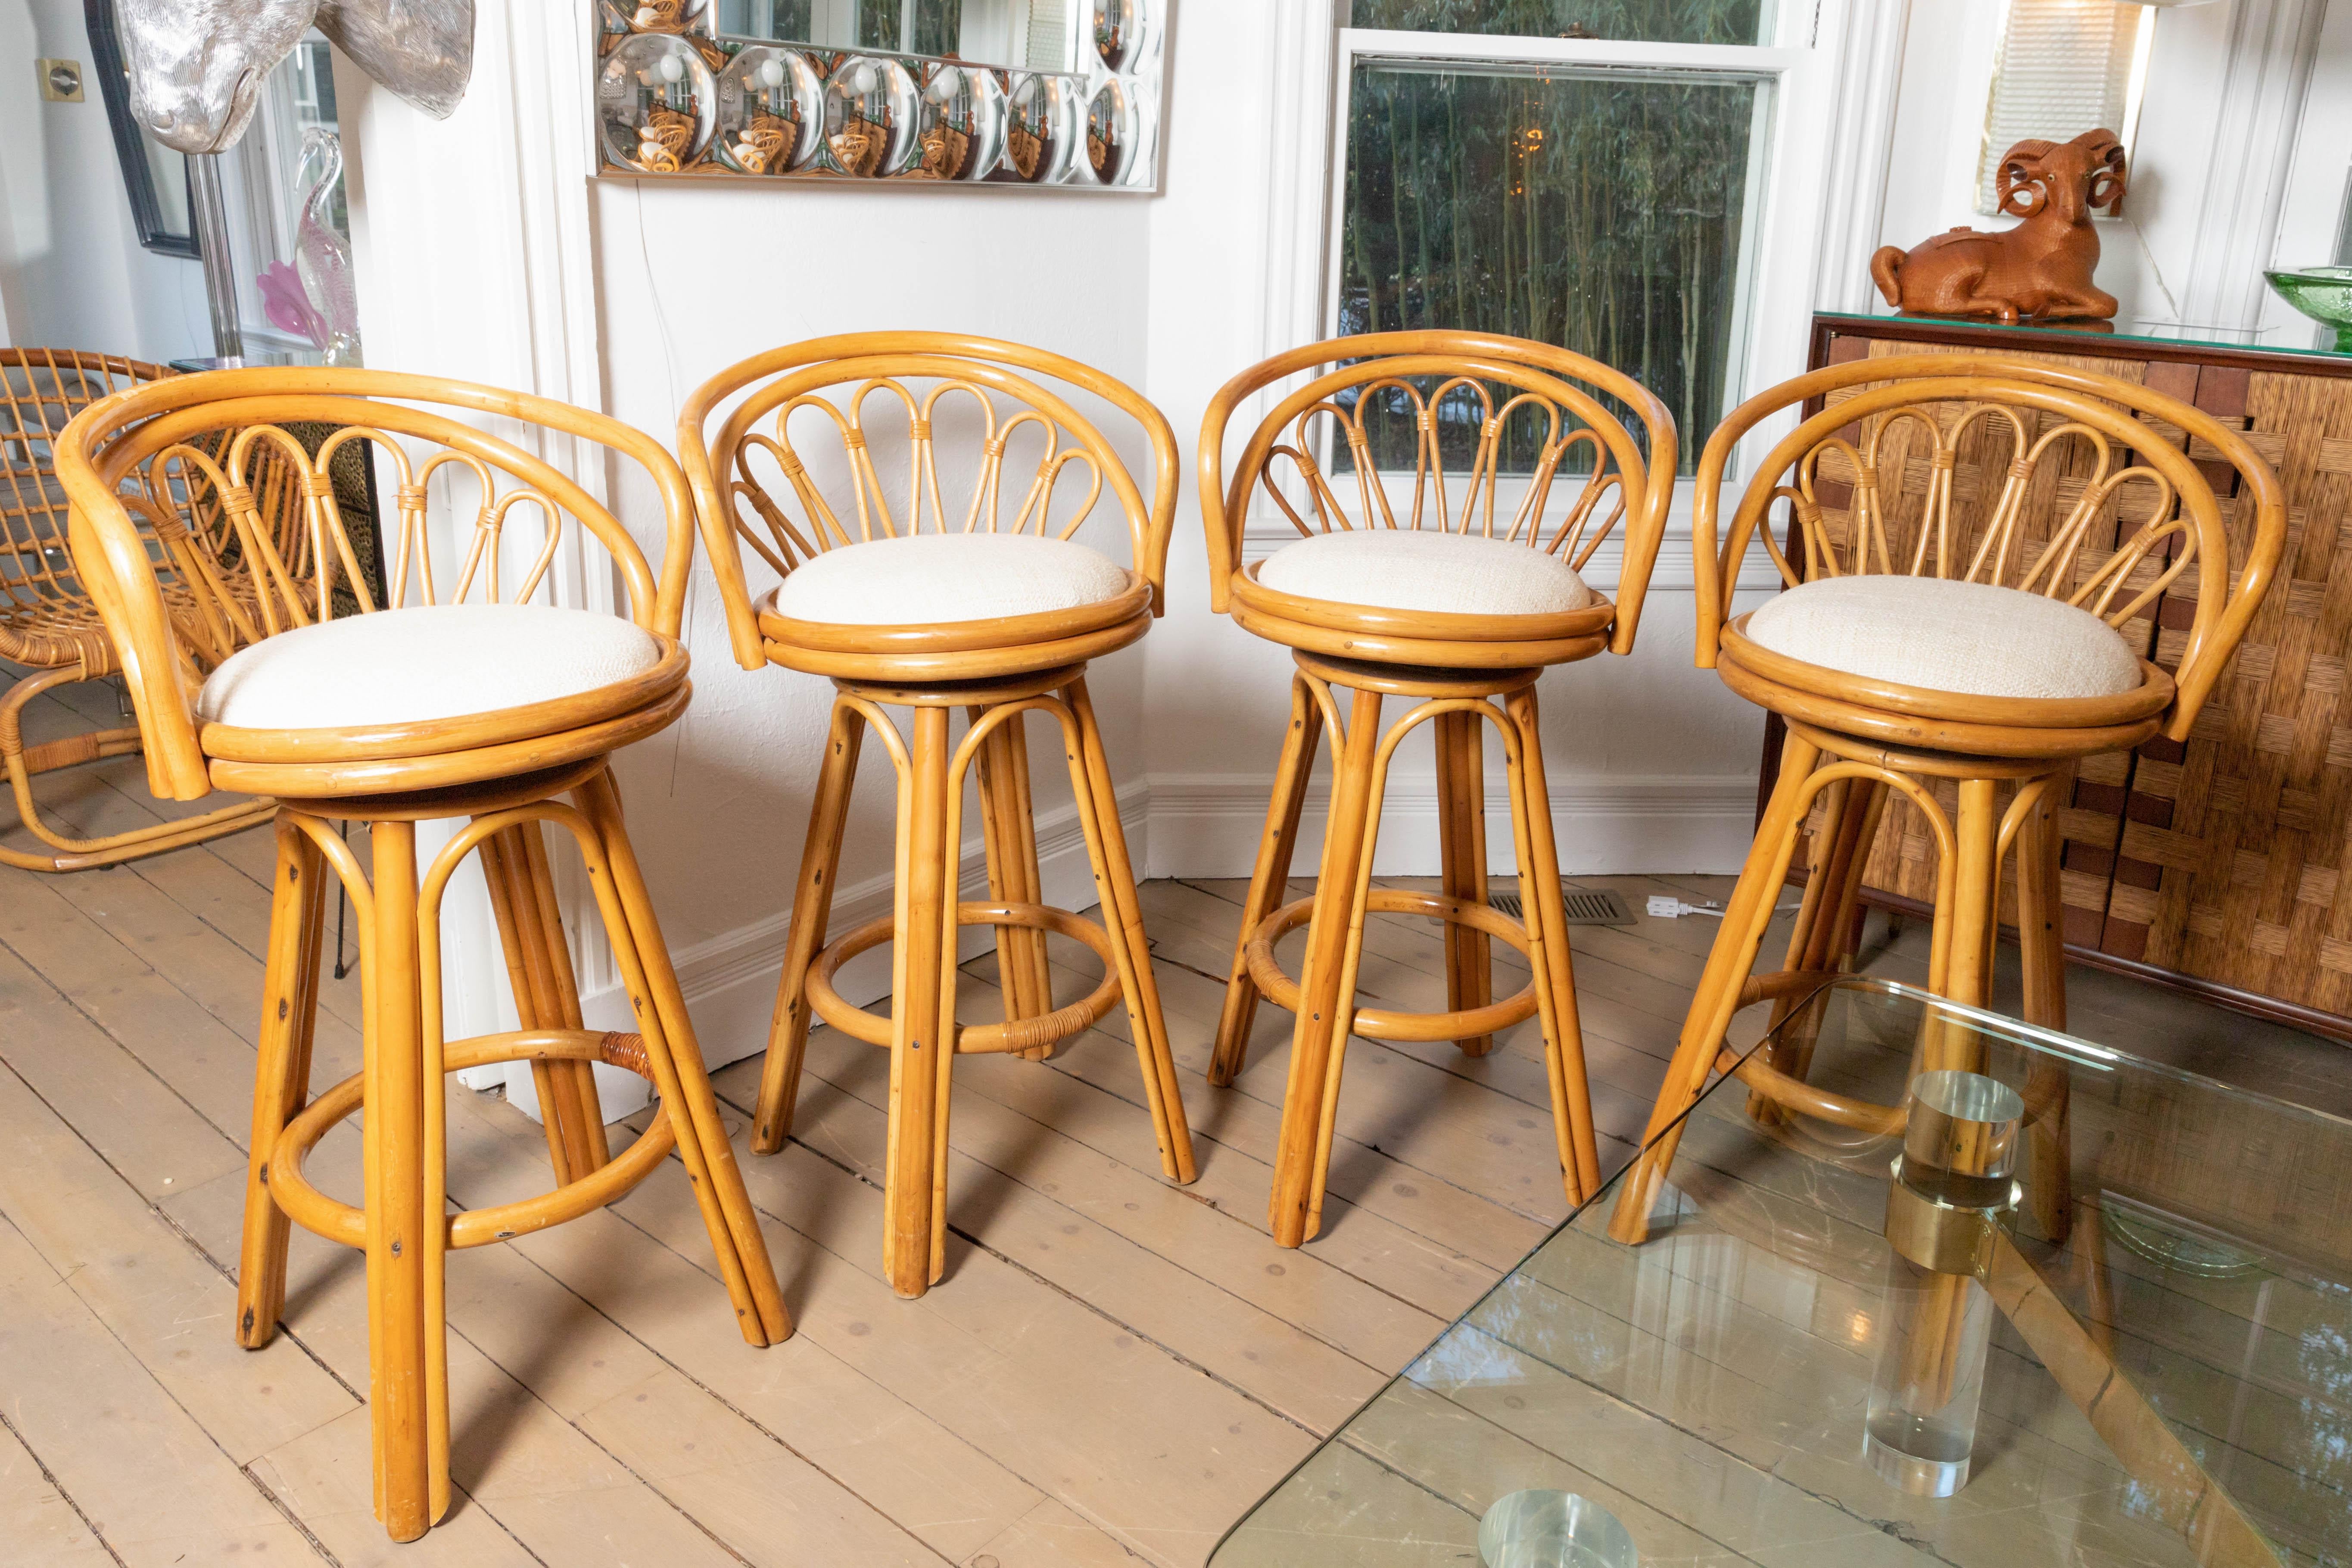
2312	207
1208	825
1869	77
2271	47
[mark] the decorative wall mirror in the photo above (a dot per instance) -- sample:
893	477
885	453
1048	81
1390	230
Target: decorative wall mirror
155	176
1005	92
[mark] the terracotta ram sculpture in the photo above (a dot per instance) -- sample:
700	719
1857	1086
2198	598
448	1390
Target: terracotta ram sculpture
2039	270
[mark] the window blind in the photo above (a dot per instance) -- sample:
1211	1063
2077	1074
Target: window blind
2064	68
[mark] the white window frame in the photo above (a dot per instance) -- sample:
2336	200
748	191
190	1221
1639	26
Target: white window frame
1783	226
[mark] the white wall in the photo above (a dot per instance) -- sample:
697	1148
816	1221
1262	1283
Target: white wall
72	274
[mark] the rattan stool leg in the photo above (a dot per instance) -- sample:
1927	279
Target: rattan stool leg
1745	917
1462	847
1969	928
1572	1103
1315	1040
684	1082
779	1074
535	955
391	1163
557	970
1025	844
2042	946
922	1003
289	998
1828	925
1010	836
1122	913
1268	879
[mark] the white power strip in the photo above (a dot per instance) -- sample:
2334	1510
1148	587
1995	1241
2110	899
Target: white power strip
1667	908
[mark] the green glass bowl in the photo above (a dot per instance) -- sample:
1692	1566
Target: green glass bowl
2323	293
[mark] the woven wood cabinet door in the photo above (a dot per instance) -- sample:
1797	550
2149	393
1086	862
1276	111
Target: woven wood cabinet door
2235	866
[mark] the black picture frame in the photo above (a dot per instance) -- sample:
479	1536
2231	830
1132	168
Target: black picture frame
129	141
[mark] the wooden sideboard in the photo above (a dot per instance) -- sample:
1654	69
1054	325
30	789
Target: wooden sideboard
2222	865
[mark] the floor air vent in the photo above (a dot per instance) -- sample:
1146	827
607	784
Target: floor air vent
1586	907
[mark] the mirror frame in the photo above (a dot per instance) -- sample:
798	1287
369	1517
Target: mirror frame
1128	94
129	141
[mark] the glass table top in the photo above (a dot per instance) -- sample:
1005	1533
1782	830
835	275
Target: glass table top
2292	338
1709	1386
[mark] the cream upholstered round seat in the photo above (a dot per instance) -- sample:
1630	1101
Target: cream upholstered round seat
1972	638
423	662
1425	570
927	579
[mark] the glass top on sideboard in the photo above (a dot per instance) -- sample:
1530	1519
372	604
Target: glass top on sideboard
1709	1386
2293	338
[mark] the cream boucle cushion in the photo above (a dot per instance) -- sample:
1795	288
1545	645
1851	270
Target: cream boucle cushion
1968	637
1413	569
401	667
928	578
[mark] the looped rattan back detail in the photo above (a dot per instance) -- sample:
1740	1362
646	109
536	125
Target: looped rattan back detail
174	487
1987	469
2122	527
1433	391
823	527
1345	400
756	474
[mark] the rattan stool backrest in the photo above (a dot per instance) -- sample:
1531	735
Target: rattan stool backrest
147	468
1998	470
1556	404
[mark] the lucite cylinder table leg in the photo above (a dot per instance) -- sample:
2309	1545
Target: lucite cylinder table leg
1950	1190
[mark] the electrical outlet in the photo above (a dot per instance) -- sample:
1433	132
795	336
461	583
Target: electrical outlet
60	80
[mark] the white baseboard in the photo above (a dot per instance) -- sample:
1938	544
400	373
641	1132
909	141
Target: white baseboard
1208	825
1193	824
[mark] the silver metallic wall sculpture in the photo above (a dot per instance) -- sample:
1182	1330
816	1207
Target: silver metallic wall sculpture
197	65
1061	93
196	68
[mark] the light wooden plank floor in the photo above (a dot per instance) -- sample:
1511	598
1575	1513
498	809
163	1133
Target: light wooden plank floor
1113	1370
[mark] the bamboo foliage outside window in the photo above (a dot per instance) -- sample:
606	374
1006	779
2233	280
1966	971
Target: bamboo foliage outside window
1600	210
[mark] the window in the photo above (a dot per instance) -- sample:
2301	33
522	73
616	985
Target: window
1035	32
910	27
1585	173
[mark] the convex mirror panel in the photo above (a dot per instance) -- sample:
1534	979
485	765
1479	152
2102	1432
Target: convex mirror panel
1006	92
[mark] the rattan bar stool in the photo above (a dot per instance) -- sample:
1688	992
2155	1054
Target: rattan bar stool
470	708
1966	658
993	608
47	619
1458	604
